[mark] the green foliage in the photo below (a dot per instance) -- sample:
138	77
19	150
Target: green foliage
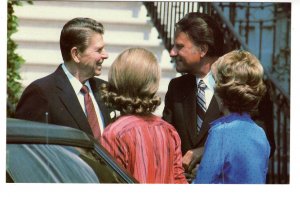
14	61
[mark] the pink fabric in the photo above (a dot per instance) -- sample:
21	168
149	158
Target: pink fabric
148	147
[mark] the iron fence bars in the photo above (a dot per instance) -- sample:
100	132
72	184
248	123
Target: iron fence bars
267	27
279	164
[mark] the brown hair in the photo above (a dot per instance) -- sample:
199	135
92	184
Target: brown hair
76	33
202	29
239	81
133	81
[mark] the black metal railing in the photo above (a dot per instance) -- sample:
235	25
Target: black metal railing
239	33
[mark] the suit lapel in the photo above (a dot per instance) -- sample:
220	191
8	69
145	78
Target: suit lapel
69	99
212	113
189	109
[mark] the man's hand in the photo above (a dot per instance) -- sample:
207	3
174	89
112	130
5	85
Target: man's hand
191	158
192	175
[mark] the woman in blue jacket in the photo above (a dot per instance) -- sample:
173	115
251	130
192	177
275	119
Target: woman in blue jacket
237	149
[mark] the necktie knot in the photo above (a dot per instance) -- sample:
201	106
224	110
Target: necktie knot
84	89
201	85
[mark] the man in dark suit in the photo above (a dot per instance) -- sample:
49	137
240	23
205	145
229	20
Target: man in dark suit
198	43
58	98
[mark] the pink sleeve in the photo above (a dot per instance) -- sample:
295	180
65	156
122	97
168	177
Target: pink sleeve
178	168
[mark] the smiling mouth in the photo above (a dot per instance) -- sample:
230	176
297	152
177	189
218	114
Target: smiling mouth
175	60
178	61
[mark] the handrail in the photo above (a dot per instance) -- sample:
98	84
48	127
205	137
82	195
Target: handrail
230	26
245	46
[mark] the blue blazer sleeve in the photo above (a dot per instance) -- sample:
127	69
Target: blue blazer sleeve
210	169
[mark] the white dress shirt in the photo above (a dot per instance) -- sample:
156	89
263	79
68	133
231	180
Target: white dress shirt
77	85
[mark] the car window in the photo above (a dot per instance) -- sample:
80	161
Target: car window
42	163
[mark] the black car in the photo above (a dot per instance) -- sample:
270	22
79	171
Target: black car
44	153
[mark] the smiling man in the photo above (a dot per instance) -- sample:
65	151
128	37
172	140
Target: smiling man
190	104
70	96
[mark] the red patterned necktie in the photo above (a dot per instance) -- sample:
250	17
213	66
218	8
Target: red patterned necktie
91	113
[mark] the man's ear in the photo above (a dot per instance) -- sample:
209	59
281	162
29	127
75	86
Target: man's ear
204	49
75	54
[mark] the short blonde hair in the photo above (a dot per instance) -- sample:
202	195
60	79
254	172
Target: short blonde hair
133	82
239	81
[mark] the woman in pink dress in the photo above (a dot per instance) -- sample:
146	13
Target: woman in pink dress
147	146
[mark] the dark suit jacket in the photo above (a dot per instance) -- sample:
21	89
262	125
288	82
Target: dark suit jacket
54	94
180	111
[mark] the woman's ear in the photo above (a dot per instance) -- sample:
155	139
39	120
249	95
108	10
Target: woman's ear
75	54
204	49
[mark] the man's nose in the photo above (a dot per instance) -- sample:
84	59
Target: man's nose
104	54
173	52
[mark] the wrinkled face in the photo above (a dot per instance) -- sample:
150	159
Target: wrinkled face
185	53
92	57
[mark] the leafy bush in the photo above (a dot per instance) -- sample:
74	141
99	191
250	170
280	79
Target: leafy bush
13	59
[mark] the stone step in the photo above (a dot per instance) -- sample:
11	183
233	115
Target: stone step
116	12
34	32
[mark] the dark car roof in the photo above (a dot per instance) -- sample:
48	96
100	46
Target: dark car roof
28	132
23	131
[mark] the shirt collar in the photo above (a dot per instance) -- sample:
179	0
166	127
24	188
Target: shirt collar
76	84
208	80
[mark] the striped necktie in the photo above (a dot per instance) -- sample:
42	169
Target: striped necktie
201	104
91	113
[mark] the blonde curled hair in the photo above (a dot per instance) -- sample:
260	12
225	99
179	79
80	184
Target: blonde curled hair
239	81
133	81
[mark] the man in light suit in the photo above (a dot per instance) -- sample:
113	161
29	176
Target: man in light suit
198	43
57	98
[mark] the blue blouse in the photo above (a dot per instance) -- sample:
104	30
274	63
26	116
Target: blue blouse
236	151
